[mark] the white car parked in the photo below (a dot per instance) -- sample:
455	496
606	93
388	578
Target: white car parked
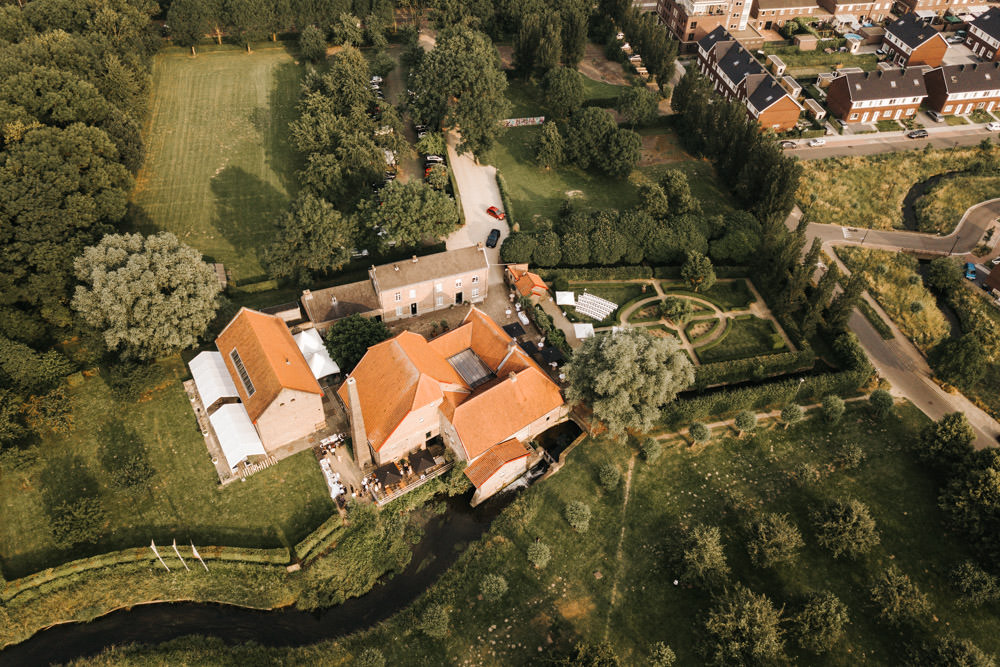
817	142
993	127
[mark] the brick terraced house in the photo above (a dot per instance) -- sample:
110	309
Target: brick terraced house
910	41
867	97
984	35
736	74
772	14
692	20
961	89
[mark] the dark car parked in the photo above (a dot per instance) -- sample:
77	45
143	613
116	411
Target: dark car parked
917	134
491	240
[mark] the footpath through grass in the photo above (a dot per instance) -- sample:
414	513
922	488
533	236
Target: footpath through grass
219	167
546	611
275	507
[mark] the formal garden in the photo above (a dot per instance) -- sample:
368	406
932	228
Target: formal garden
925	190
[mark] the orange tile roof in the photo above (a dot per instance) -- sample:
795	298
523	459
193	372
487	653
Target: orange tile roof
530	283
494	458
272	359
504	409
407	372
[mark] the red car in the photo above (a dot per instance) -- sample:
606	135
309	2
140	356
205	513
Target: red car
494	212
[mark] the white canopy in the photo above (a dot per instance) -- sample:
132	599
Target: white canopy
583	331
211	378
236	434
926	13
316	354
565	299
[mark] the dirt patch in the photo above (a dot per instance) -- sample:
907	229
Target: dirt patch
657	332
506	56
647	313
661	149
574	193
575	608
700	329
599	68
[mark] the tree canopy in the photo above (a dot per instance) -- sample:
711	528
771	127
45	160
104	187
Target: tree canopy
349	338
312	236
627	377
407	214
146	295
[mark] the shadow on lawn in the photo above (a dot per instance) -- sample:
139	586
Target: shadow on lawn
281	157
246	210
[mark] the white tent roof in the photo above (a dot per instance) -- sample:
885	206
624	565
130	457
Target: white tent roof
211	378
926	13
565	299
236	434
583	331
316	354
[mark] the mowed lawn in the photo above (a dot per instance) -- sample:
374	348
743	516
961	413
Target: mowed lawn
183	499
616	581
219	168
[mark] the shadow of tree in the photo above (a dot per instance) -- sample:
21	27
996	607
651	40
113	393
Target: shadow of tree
246	209
283	97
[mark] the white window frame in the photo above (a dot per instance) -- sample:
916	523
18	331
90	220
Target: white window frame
458	283
399	296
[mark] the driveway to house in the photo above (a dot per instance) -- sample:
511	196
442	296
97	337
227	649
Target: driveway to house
898	360
477	187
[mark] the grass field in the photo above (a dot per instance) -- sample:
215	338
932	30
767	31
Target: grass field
868	191
726	294
219	167
616	580
183	500
893	280
748	336
943	206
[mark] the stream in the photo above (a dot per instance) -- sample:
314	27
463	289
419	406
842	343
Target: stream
917	191
445	537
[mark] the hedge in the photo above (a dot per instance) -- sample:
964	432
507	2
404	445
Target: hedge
721	337
505	199
458	197
598	273
725	401
753	368
880	325
720	272
320	539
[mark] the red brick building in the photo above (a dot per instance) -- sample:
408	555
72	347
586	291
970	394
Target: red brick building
735	74
852	10
772	14
866	97
961	89
984	35
911	41
692	20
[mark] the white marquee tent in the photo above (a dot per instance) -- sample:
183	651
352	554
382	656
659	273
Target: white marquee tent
236	433
211	378
565	299
316	354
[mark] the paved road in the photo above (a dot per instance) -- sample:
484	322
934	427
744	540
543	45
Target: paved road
887	142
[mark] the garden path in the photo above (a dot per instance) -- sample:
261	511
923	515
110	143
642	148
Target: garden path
621	543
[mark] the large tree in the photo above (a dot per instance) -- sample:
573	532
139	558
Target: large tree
563	91
704	557
697	270
312	236
349	338
550	149
459	83
408	214
745	629
846	528
627	377
190	21
820	624
774	539
60	189
146	295
638	105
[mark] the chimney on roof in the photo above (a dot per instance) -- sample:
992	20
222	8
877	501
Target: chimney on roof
359	435
513	376
307	295
288	362
414	260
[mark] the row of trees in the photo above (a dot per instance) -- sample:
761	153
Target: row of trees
665	225
549	35
248	21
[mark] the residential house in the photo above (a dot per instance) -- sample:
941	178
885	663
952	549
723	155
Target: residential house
911	41
984	35
736	74
854	13
525	283
404	289
773	14
473	387
926	9
691	20
261	389
961	89
866	97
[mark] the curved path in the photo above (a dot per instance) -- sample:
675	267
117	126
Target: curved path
898	360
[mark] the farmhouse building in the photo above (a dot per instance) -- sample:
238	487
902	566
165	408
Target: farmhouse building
984	35
473	387
404	289
735	74
961	89
911	41
867	97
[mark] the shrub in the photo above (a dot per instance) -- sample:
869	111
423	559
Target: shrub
881	403
950	650
704	558
651	450
820	624
833	408
976	585
609	476
791	414
123	455
434	621
746	422
661	655
493	587
899	600
807	473
518	248
846	528
578	516
700	433
851	455
773	539
370	657
745	629
539	554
